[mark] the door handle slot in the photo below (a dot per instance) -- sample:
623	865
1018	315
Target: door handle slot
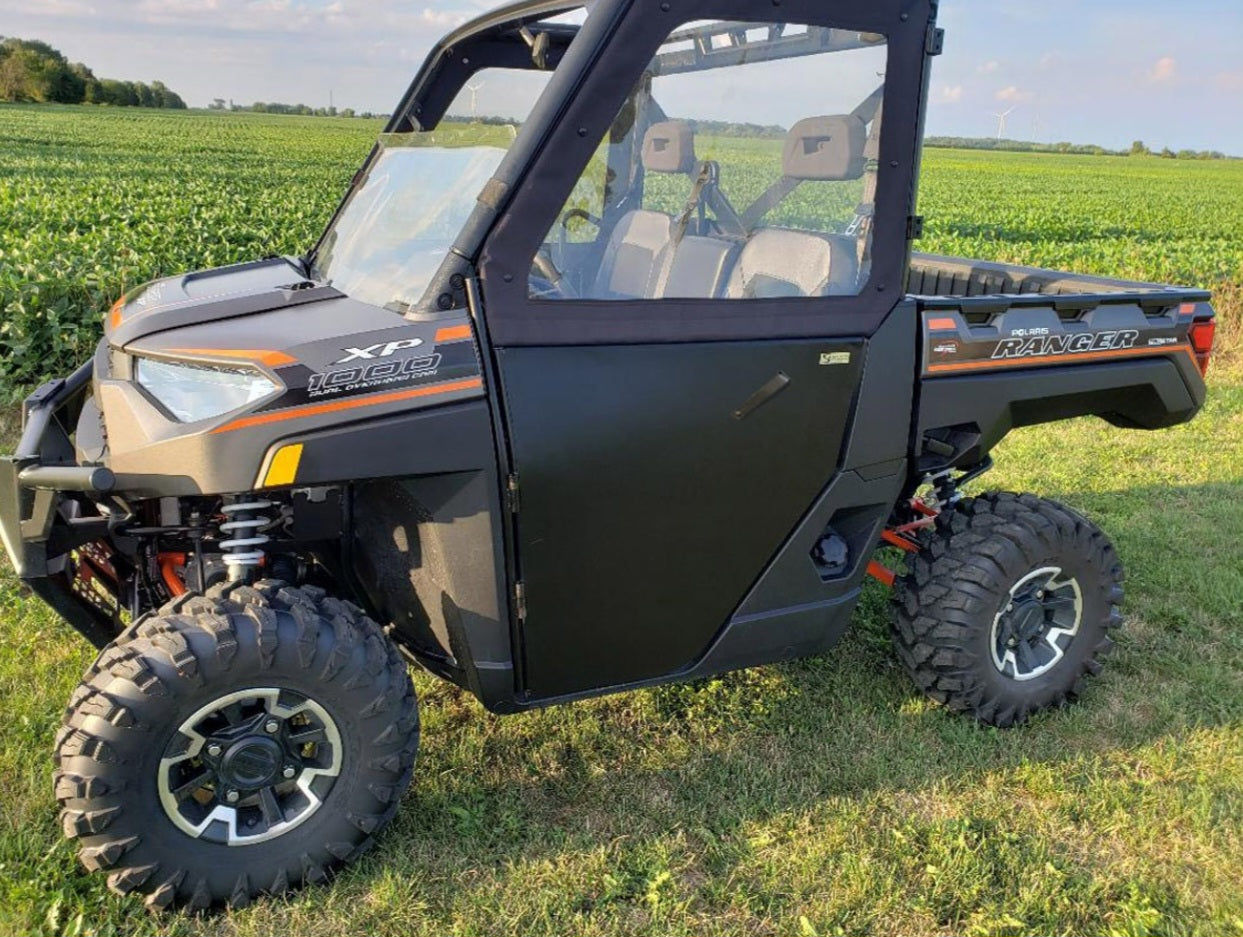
763	395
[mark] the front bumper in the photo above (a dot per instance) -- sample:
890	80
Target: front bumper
36	483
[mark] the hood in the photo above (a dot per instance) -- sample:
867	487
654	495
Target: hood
211	296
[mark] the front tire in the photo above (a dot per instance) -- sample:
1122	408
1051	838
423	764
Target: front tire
1007	607
240	743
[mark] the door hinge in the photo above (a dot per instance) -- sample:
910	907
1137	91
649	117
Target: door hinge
935	44
511	493
914	227
520	600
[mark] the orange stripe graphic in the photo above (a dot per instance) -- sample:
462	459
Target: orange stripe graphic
454	333
1052	359
942	325
273	359
259	419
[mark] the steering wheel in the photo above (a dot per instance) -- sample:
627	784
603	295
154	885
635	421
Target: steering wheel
557	287
550	261
563	235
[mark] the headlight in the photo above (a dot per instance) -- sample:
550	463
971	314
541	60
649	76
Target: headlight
193	392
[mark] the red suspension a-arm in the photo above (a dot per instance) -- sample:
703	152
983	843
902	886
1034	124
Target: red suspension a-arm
903	538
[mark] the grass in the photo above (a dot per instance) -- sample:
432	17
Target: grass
819	797
815	798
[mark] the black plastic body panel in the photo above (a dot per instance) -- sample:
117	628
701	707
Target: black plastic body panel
1148	394
438	441
427	551
427	555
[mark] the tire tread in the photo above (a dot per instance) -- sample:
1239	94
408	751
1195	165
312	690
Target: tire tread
943	598
123	691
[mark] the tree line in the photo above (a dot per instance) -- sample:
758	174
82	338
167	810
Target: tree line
301	110
33	72
1138	148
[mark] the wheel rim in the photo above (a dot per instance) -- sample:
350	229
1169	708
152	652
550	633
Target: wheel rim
249	766
1036	624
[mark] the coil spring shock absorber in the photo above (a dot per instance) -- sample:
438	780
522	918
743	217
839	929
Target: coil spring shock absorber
243	551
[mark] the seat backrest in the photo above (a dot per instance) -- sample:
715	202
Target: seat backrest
632	259
777	262
700	268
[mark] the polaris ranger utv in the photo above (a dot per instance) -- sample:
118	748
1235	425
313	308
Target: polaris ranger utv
619	383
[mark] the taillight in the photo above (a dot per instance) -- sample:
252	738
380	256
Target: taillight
1201	335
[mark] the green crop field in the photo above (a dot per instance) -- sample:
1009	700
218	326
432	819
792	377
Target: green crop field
815	798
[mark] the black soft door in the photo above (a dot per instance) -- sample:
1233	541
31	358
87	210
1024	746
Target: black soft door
679	310
656	481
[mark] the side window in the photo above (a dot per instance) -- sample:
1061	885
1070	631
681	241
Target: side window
742	166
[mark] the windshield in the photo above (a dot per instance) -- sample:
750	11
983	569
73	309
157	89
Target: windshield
400	223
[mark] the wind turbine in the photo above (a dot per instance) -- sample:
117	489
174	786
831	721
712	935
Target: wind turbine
1001	122
474	99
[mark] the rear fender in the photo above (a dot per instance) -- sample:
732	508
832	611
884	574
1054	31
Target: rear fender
992	364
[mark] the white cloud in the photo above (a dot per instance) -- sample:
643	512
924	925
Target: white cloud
988	68
263	18
1012	95
1165	70
443	18
1051	61
360	52
1230	82
66	8
947	94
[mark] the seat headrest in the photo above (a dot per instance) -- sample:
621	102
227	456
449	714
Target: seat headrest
826	149
669	147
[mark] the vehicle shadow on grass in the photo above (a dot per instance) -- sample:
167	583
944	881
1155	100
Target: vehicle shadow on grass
844	735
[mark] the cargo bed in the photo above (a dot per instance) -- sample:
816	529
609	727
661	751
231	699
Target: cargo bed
934	275
1004	346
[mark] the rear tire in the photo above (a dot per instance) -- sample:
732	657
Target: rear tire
312	718
1007	607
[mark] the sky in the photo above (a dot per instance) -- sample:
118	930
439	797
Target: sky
1169	72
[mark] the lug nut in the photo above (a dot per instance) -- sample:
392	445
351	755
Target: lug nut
232	796
271	726
214	750
289	771
1040	593
1010	607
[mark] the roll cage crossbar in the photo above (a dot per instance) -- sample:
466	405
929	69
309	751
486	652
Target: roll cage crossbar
725	45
